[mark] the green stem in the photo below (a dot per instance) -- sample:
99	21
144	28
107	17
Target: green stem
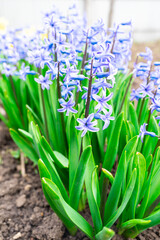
141	109
130	80
142	104
55	54
61	114
157	145
82	66
58	84
89	92
45	116
84	56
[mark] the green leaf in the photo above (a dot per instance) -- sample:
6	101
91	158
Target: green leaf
120	178
74	151
15	153
36	118
54	202
46	158
74	216
43	171
145	111
95	187
154	220
79	178
35	132
115	191
131	129
113	143
4	119
123	139
125	199
108	175
154	188
26	135
93	205
133	117
132	223
60	160
105	233
150	142
24	145
139	163
141	210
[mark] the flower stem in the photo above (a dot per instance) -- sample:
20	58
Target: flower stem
141	109
103	196
89	92
129	83
143	101
55	53
88	101
44	110
157	145
61	114
84	55
58	84
114	39
82	66
45	116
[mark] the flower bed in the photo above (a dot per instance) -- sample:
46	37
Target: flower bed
67	95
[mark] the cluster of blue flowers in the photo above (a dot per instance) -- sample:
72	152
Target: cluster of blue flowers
14	45
149	73
85	61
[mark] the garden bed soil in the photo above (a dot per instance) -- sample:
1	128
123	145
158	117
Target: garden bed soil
24	212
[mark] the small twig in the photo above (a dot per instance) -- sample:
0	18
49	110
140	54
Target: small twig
22	160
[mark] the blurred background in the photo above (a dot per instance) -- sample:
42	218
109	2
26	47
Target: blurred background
145	14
